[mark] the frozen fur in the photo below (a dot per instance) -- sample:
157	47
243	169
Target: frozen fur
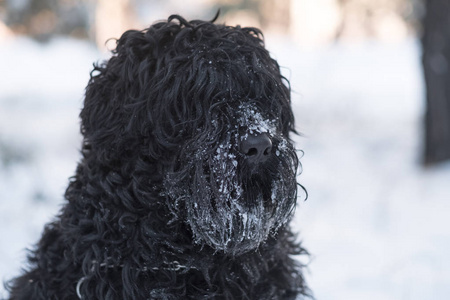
164	204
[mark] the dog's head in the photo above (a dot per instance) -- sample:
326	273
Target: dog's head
200	114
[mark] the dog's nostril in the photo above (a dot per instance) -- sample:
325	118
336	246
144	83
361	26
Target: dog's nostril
257	147
252	152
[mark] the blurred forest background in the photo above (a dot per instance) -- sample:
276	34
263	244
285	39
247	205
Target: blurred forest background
311	22
371	98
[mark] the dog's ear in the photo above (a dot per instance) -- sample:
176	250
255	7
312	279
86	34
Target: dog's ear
121	101
105	116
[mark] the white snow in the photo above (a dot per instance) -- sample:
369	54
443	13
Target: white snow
41	92
376	222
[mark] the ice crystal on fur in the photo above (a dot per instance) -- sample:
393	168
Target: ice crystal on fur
251	119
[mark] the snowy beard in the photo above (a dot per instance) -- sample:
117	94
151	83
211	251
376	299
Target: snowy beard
229	204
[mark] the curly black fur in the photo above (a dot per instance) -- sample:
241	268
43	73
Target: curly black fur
163	204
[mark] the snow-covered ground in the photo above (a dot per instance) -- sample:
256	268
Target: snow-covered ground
376	223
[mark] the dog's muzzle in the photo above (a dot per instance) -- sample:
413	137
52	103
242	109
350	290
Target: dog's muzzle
237	189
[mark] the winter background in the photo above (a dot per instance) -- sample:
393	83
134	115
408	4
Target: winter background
377	223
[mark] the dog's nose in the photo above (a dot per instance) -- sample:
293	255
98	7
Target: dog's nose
257	148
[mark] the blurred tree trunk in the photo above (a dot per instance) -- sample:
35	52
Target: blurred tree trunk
436	66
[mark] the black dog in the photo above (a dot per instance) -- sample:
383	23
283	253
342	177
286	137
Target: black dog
188	176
